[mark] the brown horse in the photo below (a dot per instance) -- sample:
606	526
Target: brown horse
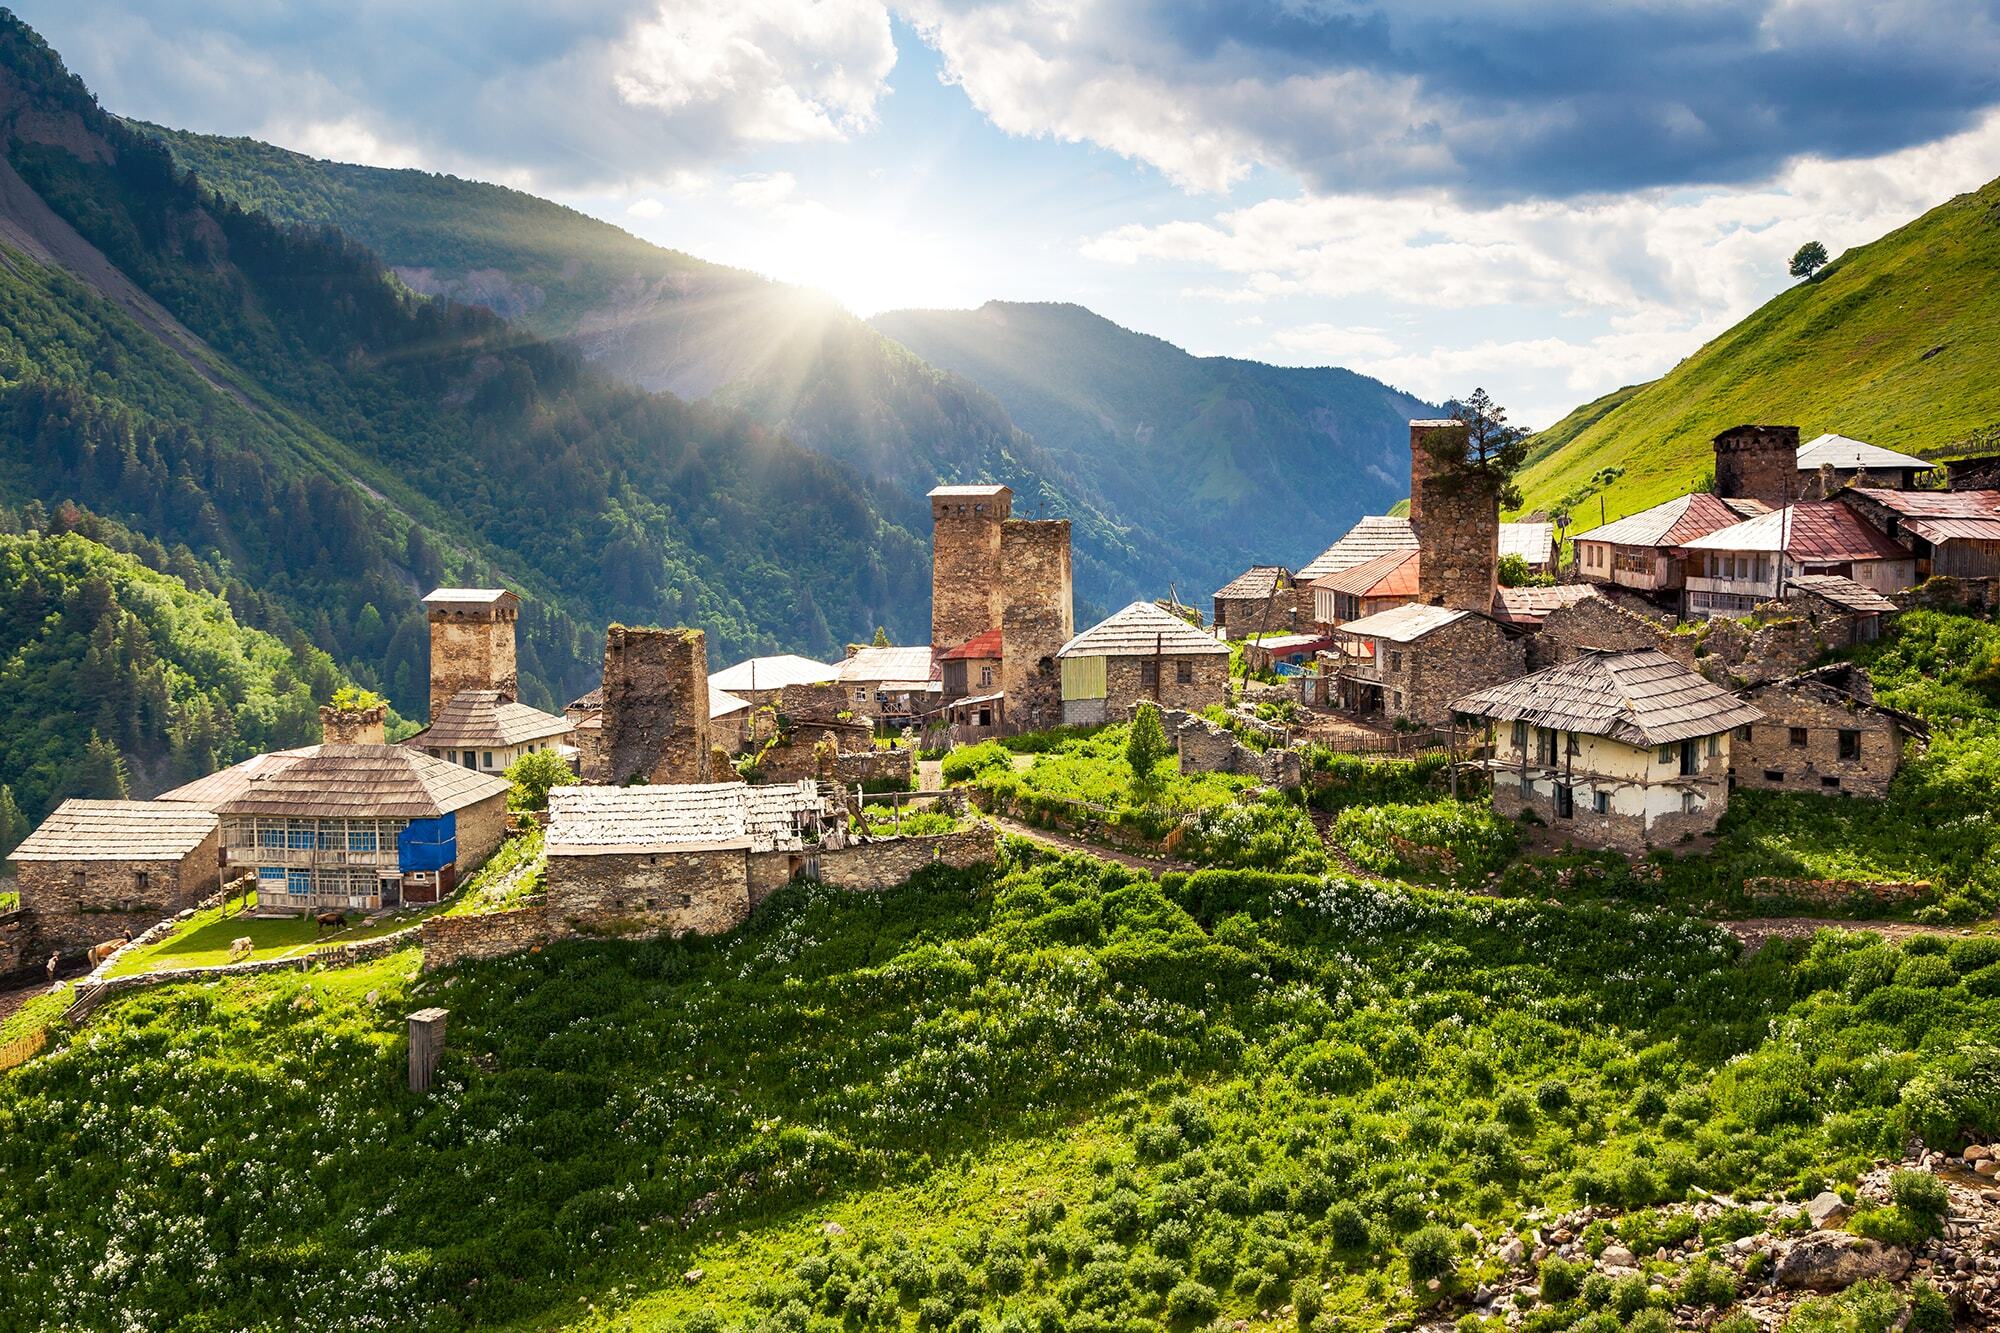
99	952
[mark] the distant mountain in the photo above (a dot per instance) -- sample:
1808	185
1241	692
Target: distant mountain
1896	342
285	422
662	320
1248	462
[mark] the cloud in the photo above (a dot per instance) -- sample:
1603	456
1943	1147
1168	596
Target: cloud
1541	99
584	94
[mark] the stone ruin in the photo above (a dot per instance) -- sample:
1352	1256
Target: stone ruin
655	709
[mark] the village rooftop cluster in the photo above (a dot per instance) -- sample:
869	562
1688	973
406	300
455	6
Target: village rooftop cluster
1618	698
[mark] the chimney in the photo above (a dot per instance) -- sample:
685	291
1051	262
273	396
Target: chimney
1458	532
353	726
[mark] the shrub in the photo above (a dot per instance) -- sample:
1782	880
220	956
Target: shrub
1923	1196
1706	1283
1454	841
1553	1096
974	760
1561	1280
1346	1226
1930	1312
1431	1252
1146	745
1192	1302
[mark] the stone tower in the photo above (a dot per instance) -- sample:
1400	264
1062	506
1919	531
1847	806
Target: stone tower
655	719
1758	463
1458	532
1037	617
353	726
965	561
472	642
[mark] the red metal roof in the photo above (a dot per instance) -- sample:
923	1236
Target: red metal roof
982	647
1393	574
1818	531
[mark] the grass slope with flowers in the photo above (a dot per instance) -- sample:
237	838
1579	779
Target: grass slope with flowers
1053	1095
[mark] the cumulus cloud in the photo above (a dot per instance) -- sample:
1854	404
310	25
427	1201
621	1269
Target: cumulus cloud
1548	98
588	93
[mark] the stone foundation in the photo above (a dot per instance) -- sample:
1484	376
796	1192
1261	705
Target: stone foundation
647	894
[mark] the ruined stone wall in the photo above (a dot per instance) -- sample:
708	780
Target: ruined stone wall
822	701
655	715
71	905
645	894
1278	614
353	726
456	939
1770	757
1204	747
965	569
873	866
15	955
1735	653
1758	463
1595	622
1037	617
471	649
480	828
1458	531
1612	831
1208	683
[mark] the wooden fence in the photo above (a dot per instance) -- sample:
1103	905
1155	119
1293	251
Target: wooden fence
23	1048
1398	744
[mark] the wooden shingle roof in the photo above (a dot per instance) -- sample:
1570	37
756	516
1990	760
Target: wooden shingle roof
899	666
341	781
1374	535
116	831
1844	592
1257	581
1141	630
483	719
1641	697
1404	624
706	816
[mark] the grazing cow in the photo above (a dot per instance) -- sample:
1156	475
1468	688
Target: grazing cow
99	952
336	919
239	948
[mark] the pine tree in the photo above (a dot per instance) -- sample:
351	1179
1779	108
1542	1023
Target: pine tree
1147	745
13	824
102	775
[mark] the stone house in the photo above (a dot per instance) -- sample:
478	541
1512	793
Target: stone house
1625	750
1260	600
1379	584
1841	461
1598	622
352	826
1526	608
1822	732
479	729
104	870
1140	653
1955	533
1731	571
676	859
974	667
1411	662
1371	537
990	570
1642	551
1842	611
893	686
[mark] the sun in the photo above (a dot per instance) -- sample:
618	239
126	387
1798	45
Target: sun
868	262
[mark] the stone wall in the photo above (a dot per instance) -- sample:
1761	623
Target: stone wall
819	702
72	905
472	648
1244	616
873	866
456	939
353	726
1613	831
1758	463
1205	747
1208	683
1837	892
15	955
1811	761
1942	592
1468	654
1595	622
965	562
1457	522
1738	653
1037	617
655	706
480	829
648	893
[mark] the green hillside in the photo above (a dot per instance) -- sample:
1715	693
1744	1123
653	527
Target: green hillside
1896	342
269	402
98	650
662	320
1248	462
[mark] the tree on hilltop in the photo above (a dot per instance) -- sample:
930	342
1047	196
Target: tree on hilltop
1808	259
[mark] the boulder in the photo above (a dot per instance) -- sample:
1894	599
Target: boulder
1835	1260
1617	1256
1825	1209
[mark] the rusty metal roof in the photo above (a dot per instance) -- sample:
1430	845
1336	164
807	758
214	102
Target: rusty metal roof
116	831
1141	630
1377	534
483	719
1640	697
984	646
1257	581
1816	531
341	781
1392	574
680	817
1674	522
1932	504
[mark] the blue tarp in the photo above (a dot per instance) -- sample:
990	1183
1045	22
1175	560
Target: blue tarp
428	844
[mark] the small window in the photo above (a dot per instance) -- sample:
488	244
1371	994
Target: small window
1565	802
986	675
652	902
486	758
1690	759
1689	802
1149	675
1395	661
861	695
682	900
141	879
1520	735
1743	732
1774	775
1830	782
1850	745
1573	745
1666	754
1714	747
1600	801
1799	736
1184	672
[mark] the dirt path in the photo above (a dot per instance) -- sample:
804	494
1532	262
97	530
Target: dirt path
1755	932
1063	842
930	775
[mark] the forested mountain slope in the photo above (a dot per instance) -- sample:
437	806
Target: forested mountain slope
1252	462
1896	342
662	320
270	404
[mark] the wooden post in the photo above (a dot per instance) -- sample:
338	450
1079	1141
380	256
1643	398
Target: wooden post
426	1046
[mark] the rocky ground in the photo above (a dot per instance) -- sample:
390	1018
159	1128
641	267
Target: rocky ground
1796	1251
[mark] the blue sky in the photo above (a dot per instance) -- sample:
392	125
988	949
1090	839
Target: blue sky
1548	199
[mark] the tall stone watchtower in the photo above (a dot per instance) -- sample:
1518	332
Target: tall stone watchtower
1037	617
1458	531
472	642
655	719
1758	463
965	561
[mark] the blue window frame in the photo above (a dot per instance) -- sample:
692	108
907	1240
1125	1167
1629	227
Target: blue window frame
357	841
270	874
298	882
299	838
273	838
